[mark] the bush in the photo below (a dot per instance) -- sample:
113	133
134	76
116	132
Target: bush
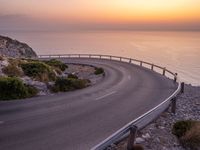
68	84
13	88
12	70
181	127
188	133
39	71
57	64
99	71
32	91
192	137
72	76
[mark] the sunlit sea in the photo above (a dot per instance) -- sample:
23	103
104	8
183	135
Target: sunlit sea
178	51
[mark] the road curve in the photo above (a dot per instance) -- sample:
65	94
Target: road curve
81	119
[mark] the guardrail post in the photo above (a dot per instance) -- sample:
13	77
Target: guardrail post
175	77
110	57
120	59
130	61
132	136
152	66
140	63
79	56
89	56
173	107
164	70
100	56
182	87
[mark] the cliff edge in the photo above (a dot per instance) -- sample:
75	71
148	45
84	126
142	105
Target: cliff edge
14	48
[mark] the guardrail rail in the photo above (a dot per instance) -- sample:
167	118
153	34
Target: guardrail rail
146	118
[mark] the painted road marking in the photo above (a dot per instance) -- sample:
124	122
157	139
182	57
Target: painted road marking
129	77
105	95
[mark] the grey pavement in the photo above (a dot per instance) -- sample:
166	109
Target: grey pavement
79	120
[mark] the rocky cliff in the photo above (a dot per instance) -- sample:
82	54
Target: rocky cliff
14	48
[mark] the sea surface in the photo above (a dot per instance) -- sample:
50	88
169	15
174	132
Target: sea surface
177	51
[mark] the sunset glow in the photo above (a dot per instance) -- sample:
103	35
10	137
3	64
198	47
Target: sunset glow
106	12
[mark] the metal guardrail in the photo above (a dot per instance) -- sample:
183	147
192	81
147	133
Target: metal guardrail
145	118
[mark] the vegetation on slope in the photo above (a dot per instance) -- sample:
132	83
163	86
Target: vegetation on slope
49	75
13	88
57	64
69	84
12	70
99	71
188	132
38	70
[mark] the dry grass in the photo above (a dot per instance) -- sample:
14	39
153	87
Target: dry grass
12	70
192	137
1	58
39	71
15	61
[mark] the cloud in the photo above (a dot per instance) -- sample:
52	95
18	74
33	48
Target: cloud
26	23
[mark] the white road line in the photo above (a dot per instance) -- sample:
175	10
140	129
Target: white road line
129	77
106	95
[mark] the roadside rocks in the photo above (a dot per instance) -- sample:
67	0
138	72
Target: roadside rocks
41	86
3	63
158	135
82	71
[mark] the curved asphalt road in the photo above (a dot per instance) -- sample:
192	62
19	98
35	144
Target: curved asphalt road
81	119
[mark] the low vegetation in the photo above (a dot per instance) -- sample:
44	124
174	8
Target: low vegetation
12	70
72	76
99	71
15	61
69	84
39	71
20	74
57	64
188	132
13	88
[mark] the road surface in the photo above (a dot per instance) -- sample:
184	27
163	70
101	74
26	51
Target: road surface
81	119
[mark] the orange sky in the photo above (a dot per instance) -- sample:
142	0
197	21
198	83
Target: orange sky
106	11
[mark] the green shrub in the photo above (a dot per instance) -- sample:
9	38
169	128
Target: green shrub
57	64
72	76
13	88
39	71
181	127
99	71
12	70
32	91
68	84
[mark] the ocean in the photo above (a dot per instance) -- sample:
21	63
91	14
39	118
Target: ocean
177	51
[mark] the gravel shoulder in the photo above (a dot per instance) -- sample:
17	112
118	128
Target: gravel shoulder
158	135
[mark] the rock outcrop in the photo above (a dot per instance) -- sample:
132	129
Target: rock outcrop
14	48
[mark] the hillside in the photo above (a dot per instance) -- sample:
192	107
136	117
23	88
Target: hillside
14	48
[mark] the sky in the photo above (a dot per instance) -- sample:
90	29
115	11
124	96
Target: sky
99	14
